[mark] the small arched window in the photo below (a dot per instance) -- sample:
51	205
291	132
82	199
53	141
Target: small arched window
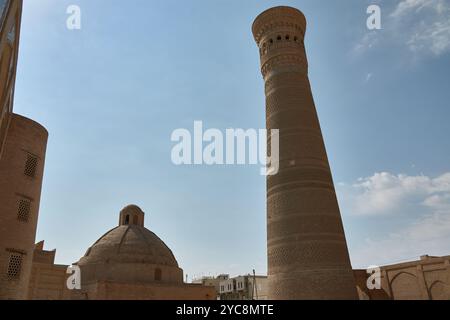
158	274
127	219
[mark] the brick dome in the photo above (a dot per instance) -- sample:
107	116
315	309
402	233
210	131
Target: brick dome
130	253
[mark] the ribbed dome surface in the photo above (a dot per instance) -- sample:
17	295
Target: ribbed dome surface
130	254
129	244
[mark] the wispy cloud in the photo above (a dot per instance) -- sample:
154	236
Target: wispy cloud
429	234
368	41
434	38
425	201
407	6
421	26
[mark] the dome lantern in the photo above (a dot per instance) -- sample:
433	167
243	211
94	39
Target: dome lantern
131	215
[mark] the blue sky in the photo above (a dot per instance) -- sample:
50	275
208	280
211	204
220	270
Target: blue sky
111	94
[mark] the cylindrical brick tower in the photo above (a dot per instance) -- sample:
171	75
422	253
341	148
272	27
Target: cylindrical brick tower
21	172
307	250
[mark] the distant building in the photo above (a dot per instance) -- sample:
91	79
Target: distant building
212	282
238	288
244	288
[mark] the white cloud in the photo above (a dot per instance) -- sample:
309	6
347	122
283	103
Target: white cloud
384	193
438	201
421	202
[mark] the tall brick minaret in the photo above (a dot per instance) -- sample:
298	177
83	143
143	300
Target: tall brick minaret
307	250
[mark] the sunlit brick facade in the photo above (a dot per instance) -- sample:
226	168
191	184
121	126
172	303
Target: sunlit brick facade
23	144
